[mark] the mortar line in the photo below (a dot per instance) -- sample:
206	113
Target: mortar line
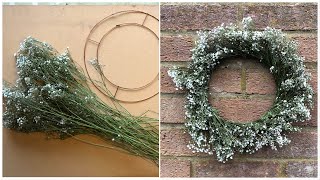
180	126
244	95
174	63
282	168
242	159
196	3
192	170
277	159
172	95
189	32
240	14
311	65
176	126
243	80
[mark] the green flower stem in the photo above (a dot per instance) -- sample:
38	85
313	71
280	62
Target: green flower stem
52	95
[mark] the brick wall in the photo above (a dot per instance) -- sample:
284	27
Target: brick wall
242	90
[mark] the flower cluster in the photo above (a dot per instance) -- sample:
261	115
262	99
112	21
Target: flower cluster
210	132
52	95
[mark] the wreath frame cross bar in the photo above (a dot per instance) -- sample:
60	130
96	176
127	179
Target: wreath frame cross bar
294	96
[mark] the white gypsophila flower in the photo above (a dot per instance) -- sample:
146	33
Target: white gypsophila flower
27	80
247	23
36	119
225	137
272	69
94	62
62	122
21	121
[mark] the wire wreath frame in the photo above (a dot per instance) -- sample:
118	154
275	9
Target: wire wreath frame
98	44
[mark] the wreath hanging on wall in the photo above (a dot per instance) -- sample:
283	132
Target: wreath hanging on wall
294	96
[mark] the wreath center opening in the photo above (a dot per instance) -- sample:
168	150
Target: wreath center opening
122	49
241	89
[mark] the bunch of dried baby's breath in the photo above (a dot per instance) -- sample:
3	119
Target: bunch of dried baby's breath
52	96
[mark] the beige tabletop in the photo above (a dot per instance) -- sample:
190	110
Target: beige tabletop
129	56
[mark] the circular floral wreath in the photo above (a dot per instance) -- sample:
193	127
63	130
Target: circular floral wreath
294	96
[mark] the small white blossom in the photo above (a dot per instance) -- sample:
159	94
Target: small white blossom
210	132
